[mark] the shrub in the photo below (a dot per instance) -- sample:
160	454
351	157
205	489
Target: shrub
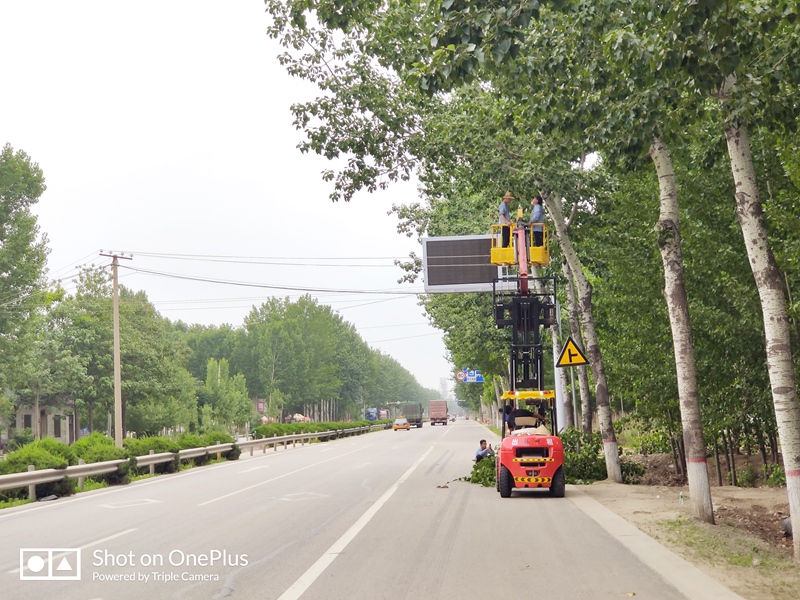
56	449
747	477
233	453
39	456
631	472
190	440
97	447
583	458
774	476
19	438
212	438
142	446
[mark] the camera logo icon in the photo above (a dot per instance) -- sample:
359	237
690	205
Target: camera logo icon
50	564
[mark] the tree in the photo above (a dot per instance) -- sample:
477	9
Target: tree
23	253
227	396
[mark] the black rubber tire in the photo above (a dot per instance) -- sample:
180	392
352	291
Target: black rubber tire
557	485
505	483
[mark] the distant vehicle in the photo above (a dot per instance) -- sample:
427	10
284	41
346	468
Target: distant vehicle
453	419
437	411
371	414
412	412
401	424
383	414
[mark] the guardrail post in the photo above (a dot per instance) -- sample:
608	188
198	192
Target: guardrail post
251	451
274	445
153	466
294	443
32	487
303	442
81	479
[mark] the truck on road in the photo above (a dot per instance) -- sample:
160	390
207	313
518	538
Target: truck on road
412	412
437	411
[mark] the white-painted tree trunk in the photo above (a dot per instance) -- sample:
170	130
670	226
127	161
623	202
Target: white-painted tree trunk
592	346
669	244
773	308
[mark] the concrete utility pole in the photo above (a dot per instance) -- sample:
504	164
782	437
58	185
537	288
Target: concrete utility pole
119	426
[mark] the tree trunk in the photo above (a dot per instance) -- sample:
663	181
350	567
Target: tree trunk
592	348
734	480
762	448
716	462
682	456
727	456
675	460
569	410
37	418
669	244
497	395
773	308
575	332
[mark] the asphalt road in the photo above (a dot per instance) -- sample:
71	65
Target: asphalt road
381	515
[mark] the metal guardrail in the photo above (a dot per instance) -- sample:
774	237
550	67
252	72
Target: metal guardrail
31	477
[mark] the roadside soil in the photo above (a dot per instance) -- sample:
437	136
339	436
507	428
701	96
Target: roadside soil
746	549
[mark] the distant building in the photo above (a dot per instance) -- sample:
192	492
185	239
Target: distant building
53	422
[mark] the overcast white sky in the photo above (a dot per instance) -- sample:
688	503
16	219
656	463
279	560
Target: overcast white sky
164	128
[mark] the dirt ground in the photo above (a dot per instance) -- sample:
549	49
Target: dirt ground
746	549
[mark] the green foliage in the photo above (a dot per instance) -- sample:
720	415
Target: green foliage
746	476
23	255
189	440
583	456
774	476
142	446
484	472
632	472
97	444
41	456
19	438
280	429
234	453
212	438
56	448
648	439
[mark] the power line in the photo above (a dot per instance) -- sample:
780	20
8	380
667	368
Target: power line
406	338
269	286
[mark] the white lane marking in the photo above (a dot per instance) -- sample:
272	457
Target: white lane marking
300	496
122	488
89	545
28	508
129	503
299	587
207	502
254	469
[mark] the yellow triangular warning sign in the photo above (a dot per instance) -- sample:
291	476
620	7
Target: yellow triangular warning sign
571	355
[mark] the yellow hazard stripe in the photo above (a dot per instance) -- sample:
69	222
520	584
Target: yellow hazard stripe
533	479
533	459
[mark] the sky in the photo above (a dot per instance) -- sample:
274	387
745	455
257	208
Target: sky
163	130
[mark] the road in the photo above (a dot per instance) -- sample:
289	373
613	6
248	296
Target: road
379	516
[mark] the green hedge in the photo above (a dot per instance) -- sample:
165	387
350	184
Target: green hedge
42	454
280	429
97	447
142	446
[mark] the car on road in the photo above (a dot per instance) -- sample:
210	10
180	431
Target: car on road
401	424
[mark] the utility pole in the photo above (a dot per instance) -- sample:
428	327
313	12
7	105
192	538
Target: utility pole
119	426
